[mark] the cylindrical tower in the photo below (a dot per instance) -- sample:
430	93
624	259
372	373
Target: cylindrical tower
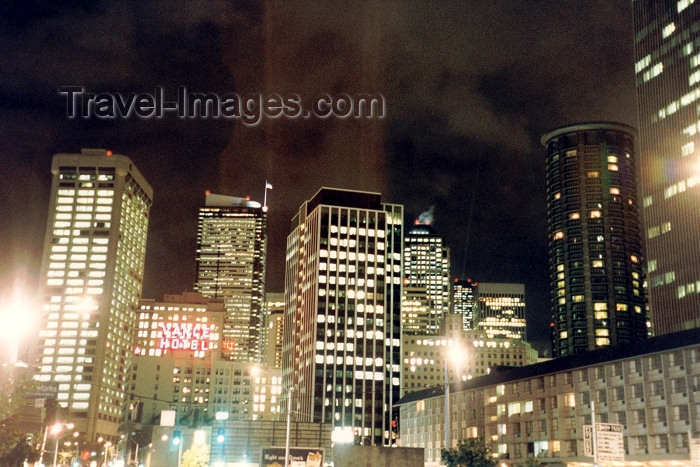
595	252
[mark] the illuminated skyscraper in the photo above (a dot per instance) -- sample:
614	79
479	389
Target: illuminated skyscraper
464	301
92	272
426	292
342	353
272	337
596	265
500	311
231	246
667	49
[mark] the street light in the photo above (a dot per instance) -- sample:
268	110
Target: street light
289	424
452	352
55	451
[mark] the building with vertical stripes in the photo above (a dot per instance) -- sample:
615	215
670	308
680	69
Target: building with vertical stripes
667	52
595	252
342	350
426	283
464	302
231	251
92	275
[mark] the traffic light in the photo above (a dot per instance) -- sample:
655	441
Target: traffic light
177	437
220	435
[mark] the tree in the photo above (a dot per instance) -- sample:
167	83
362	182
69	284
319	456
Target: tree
16	448
196	456
471	452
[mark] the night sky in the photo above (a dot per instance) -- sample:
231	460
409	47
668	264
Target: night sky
470	88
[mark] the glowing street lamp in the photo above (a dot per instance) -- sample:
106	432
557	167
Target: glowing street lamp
55	430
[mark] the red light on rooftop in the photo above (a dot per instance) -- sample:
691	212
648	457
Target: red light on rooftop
207	192
416	222
109	153
427	222
247	198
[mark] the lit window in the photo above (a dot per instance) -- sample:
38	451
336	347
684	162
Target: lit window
592	174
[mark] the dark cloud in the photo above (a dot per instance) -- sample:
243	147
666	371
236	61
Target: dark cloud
470	88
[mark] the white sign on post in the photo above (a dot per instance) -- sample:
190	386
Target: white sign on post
588	440
609	442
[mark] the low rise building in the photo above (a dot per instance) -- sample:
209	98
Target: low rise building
538	411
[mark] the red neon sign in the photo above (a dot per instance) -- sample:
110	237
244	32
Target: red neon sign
185	336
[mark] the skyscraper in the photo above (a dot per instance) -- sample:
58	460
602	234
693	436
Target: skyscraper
342	353
464	301
667	42
92	272
272	337
231	248
426	283
500	310
595	252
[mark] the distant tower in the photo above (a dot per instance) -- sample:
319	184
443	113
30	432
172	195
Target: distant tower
426	282
500	310
342	350
272	336
464	301
231	248
595	253
667	40
92	272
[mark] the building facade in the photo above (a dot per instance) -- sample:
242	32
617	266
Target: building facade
500	310
668	89
231	250
426	283
464	302
342	350
595	252
424	356
177	365
651	388
272	337
92	274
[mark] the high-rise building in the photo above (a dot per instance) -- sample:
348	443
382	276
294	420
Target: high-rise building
668	89
500	310
272	336
231	248
464	293
92	274
426	283
342	350
595	253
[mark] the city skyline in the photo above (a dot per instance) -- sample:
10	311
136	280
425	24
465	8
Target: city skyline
465	112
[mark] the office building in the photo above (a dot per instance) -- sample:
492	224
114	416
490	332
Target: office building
231	248
342	349
595	252
477	354
272	337
464	293
500	310
426	283
92	275
539	411
667	47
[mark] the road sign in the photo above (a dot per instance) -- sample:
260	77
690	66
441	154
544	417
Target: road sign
609	442
588	440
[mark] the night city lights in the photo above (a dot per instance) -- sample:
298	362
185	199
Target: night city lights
332	234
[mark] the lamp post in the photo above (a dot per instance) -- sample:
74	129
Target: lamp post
289	425
452	351
55	451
